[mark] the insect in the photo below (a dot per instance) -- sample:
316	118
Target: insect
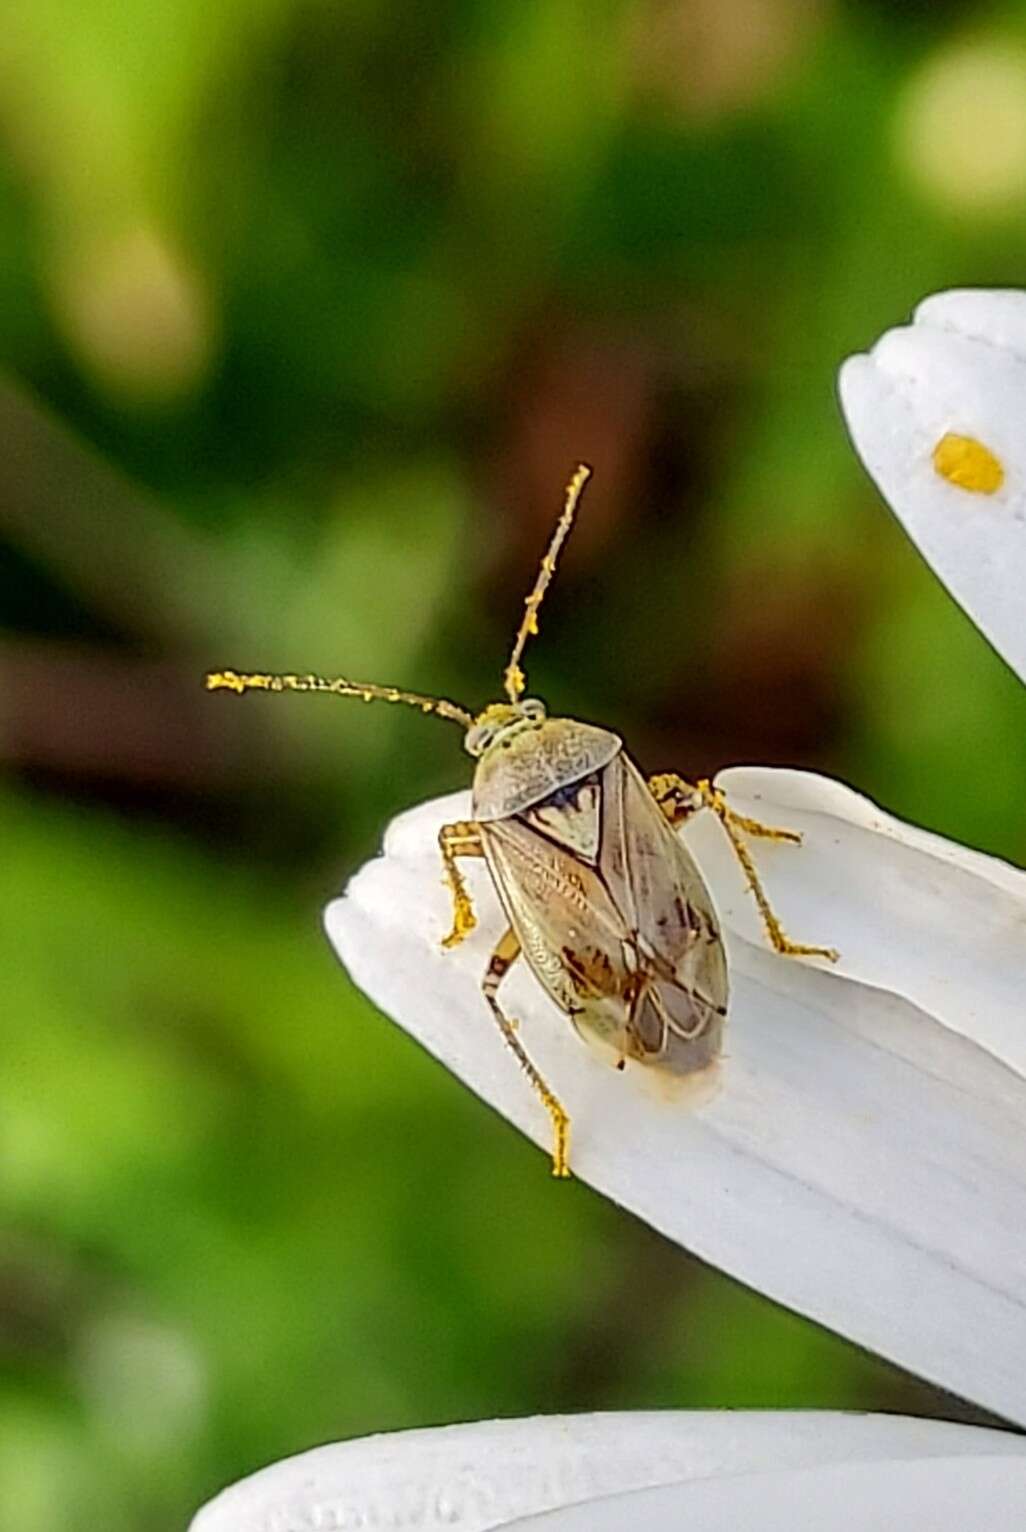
602	899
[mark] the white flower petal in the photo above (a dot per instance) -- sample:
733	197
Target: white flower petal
860	1152
959	368
911	912
943	1496
481	1476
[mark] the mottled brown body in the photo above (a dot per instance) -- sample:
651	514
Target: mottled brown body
613	916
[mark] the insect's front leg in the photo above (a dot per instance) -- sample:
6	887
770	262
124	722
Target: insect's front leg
679	800
462	839
500	963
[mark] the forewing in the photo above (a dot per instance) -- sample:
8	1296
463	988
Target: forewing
631	948
663	899
570	930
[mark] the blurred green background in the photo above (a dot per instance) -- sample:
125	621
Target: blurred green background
306	309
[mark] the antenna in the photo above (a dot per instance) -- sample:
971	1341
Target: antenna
514	679
367	691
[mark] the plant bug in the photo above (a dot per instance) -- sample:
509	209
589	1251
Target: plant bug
603	900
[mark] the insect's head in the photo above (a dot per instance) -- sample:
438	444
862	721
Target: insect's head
500	721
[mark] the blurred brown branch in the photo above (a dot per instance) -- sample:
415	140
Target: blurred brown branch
88	712
99	534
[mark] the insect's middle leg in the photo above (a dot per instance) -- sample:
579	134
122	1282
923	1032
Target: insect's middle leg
463	839
502	960
679	800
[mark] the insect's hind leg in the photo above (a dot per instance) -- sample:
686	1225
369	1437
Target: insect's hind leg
502	960
455	840
679	800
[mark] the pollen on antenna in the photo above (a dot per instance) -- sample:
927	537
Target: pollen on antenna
515	680
225	680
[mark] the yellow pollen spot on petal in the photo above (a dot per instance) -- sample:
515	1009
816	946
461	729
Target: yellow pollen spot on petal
967	463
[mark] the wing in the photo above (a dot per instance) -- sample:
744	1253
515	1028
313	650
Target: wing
570	931
625	941
663	900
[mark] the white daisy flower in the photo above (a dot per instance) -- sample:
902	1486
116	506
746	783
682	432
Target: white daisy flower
936	413
859	1151
718	1471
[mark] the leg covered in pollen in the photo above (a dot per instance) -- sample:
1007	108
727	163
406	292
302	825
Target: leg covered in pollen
457	840
505	955
680	800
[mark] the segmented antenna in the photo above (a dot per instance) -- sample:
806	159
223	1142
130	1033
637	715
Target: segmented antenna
231	680
514	679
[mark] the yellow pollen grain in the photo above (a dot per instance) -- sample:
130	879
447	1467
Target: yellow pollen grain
967	463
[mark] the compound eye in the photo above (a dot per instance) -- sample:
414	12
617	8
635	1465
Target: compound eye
479	738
